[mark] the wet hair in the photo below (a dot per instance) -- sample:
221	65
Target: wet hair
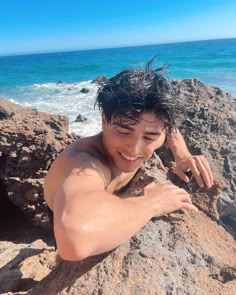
132	92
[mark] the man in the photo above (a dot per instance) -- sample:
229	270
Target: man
138	116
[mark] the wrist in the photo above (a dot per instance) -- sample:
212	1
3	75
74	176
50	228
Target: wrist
148	206
181	156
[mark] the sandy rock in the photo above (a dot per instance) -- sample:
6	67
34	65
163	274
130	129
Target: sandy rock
22	265
180	253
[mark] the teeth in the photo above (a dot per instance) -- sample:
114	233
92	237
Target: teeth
129	158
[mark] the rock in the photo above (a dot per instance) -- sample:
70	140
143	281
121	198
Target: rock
209	127
80	118
59	82
7	109
100	80
84	90
23	268
29	142
180	253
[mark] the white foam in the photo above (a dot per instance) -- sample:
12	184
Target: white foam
65	99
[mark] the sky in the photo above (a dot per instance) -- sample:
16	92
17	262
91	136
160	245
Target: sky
56	25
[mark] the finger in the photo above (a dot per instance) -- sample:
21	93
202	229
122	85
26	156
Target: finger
150	185
190	207
204	169
196	173
181	174
181	191
186	198
208	168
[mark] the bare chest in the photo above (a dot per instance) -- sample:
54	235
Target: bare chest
119	182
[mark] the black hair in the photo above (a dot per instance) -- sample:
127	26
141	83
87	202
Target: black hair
132	92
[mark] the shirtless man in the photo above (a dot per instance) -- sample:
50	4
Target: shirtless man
138	116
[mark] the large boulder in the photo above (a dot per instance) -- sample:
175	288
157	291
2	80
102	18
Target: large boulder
181	253
29	142
209	127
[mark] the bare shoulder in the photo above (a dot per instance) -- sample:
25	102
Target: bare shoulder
83	161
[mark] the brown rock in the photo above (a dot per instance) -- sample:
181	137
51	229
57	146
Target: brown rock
180	253
29	141
209	127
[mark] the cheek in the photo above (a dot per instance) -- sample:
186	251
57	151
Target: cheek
150	149
160	141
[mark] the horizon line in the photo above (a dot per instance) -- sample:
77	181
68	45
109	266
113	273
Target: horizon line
102	48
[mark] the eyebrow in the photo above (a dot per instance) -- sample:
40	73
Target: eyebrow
132	129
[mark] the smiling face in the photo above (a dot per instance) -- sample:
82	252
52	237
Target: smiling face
128	146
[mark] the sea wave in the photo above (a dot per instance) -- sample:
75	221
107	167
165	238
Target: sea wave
63	99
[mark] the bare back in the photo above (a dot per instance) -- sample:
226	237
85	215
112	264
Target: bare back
72	158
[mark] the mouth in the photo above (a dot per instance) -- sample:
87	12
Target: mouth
130	159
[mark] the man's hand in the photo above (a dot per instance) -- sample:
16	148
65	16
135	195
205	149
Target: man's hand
199	166
167	198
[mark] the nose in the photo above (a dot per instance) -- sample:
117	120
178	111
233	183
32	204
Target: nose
134	147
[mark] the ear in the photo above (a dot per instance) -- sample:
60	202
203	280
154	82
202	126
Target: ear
104	121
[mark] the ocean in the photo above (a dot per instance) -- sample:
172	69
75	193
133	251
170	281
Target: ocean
31	80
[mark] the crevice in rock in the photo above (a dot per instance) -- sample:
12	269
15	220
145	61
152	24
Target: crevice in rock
226	275
229	225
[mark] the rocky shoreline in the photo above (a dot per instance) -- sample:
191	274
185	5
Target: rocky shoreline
182	253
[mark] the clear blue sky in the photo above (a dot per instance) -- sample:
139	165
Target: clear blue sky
55	25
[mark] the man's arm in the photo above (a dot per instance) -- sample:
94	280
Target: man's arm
185	161
89	221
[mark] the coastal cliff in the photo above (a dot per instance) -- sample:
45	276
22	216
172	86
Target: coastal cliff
181	253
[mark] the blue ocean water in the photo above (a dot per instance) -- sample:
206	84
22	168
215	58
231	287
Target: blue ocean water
31	79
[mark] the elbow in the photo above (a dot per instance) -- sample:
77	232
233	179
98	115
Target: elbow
71	255
72	246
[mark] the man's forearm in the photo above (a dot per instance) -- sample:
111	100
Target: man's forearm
177	145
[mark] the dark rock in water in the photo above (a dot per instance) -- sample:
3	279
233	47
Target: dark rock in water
59	82
84	90
100	80
80	118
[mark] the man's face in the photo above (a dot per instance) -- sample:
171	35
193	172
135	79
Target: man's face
128	146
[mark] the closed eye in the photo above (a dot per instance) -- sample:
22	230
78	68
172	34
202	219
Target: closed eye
150	139
122	132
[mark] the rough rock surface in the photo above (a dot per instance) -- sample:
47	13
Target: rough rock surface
26	252
180	253
209	127
29	142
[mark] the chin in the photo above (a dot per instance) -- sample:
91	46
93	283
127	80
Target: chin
128	168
